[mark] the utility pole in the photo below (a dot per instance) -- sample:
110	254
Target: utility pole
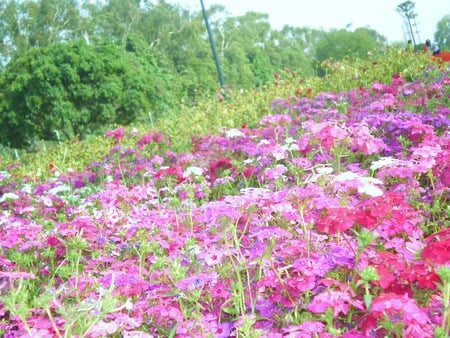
406	10
213	47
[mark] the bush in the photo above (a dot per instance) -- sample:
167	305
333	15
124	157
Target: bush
68	90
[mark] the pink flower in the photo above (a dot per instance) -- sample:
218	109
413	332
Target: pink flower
165	313
101	329
117	134
17	275
157	137
364	142
144	140
220	290
275	173
338	300
53	241
223	330
402	308
301	283
305	330
212	256
38	333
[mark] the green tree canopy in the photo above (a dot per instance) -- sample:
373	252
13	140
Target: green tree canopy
337	44
35	23
442	34
72	88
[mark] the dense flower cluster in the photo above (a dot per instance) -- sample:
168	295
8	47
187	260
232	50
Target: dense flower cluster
325	219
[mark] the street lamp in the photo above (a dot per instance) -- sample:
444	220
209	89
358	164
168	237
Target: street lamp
213	47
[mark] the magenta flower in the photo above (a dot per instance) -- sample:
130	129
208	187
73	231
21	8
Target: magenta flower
306	329
402	309
196	282
212	256
220	289
144	140
17	275
116	134
223	330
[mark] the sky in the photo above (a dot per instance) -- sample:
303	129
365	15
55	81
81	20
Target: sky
380	15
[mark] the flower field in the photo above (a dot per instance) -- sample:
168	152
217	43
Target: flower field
330	218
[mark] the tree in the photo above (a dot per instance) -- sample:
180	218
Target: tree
337	44
241	44
442	35
35	23
117	19
294	48
71	88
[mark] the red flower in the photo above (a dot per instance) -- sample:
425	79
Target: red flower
437	249
217	167
248	171
388	266
422	275
336	219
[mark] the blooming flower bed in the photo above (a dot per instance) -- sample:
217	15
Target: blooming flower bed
330	218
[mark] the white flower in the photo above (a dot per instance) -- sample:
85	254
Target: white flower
290	145
192	171
384	162
318	172
368	185
346	176
263	143
27	188
278	153
60	188
8	196
324	170
4	175
231	133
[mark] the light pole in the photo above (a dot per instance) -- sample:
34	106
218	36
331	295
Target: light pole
213	47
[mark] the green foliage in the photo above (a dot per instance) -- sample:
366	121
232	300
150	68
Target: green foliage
70	89
353	72
240	107
145	61
246	107
442	34
339	44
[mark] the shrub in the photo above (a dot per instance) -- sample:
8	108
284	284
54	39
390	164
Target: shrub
68	90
